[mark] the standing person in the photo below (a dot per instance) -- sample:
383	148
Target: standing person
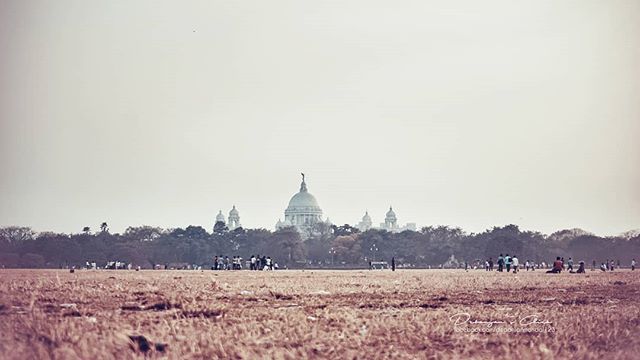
257	266
593	267
215	263
393	264
252	262
227	263
486	265
562	259
263	263
570	264
515	262
633	264
490	264
612	266
507	262
500	263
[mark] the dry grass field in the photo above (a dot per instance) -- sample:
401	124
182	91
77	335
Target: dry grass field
318	314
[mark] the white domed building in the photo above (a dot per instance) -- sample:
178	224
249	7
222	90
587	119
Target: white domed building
234	219
303	211
366	222
391	223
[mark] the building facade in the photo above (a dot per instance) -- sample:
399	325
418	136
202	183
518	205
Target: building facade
390	223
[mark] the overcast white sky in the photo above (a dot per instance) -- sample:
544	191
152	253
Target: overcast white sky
467	113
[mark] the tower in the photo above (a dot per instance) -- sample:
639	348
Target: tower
234	219
390	220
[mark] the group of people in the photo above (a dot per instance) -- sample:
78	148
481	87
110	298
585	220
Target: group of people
255	263
559	266
505	262
609	265
509	263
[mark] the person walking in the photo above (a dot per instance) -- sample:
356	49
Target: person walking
515	262
393	264
570	264
500	263
633	264
507	262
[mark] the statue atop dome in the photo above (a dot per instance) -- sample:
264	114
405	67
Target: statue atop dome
303	185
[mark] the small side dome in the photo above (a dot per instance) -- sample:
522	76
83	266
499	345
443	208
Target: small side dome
233	211
220	217
391	213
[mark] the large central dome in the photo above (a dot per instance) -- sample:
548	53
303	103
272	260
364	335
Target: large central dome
303	211
303	203
303	199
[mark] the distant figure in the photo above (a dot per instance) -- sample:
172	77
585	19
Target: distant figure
611	265
486	265
603	267
593	267
562	259
507	262
490	264
557	267
515	262
580	267
393	264
500	263
633	264
466	266
370	265
570	264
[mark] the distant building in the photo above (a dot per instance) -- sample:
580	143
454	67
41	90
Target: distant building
234	219
303	211
366	222
390	223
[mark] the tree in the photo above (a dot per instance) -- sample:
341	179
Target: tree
104	227
143	233
287	244
16	234
220	228
86	230
347	248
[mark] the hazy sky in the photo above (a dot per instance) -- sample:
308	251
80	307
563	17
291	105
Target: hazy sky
468	113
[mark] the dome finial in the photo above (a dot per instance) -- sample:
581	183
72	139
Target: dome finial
303	186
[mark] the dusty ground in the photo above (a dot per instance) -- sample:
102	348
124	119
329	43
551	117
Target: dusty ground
320	314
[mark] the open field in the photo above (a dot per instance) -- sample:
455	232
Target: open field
321	314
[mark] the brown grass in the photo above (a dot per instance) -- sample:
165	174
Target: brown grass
321	314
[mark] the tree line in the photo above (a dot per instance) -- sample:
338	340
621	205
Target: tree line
323	246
